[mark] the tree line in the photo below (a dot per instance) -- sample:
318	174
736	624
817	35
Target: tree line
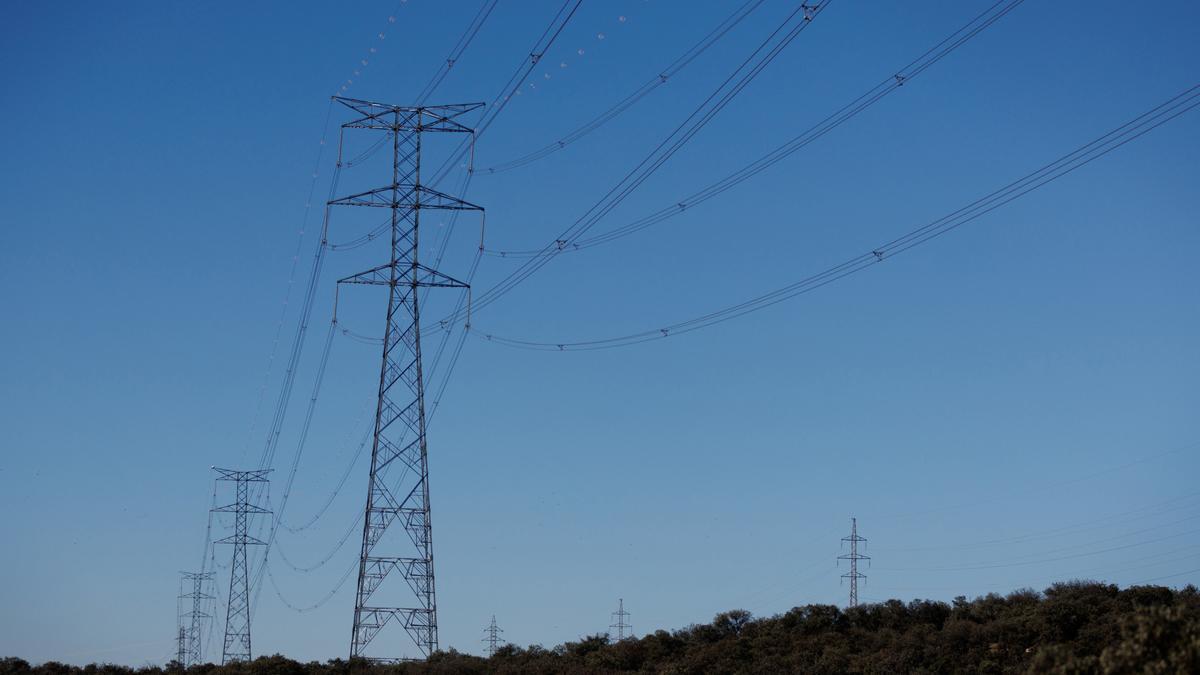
1070	628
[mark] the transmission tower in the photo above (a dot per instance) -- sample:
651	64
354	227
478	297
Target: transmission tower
491	637
180	634
237	613
181	647
194	619
400	412
624	629
854	556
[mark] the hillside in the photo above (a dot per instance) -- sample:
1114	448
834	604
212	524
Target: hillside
1077	627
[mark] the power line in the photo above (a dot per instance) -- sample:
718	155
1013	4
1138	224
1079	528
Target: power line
765	53
291	279
283	401
1038	561
318	604
207	554
366	437
1170	576
302	440
456	53
1048	173
547	39
210	563
369	55
543	44
363	62
1051	486
330	594
659	79
337	489
304	227
533	86
281	405
354	525
1161	558
1157	509
839	117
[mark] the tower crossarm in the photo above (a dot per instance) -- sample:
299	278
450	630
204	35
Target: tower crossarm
382	275
385	116
408	196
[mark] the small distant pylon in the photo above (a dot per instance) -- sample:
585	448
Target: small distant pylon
491	637
195	619
181	647
854	556
624	629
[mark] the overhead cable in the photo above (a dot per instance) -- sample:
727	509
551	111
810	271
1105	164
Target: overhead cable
659	79
500	102
842	115
456	53
762	56
1085	154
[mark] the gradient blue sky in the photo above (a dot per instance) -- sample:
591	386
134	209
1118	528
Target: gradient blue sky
1011	405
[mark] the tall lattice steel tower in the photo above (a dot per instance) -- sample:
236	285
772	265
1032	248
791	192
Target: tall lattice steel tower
854	556
491	637
194	583
400	413
237	614
624	629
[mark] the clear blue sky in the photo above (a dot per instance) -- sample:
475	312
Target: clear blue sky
1030	378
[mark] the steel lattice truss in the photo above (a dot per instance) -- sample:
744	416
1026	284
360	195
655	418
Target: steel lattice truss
854	556
197	616
237	614
398	488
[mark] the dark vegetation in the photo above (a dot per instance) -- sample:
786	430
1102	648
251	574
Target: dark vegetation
1078	627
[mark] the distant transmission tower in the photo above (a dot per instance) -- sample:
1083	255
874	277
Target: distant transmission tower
194	619
624	629
854	556
180	631
492	637
400	412
181	647
237	614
